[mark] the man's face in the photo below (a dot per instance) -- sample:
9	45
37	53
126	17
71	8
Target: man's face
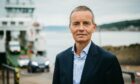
81	26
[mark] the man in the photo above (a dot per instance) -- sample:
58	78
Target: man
85	62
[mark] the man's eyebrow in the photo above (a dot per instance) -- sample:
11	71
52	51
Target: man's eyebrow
86	21
75	22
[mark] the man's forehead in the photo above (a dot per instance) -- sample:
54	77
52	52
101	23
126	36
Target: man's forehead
81	13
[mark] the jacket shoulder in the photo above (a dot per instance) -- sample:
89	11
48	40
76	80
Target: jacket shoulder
107	58
105	54
65	52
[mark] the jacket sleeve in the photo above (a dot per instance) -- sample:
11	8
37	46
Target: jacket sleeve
56	74
114	73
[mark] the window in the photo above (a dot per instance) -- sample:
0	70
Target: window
20	23
13	23
1	34
30	10
25	10
4	23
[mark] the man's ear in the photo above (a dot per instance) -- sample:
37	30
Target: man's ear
94	27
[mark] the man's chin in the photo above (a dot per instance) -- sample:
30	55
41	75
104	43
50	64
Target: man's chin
81	41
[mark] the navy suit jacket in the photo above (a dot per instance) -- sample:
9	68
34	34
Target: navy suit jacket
101	67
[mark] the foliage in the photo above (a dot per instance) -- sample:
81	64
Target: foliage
122	25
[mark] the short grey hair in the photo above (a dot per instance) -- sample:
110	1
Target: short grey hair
82	8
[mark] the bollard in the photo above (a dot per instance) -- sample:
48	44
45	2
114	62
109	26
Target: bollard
17	75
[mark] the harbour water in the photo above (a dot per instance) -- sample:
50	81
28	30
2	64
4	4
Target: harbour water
59	40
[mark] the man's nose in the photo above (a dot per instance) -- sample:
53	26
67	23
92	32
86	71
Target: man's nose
81	27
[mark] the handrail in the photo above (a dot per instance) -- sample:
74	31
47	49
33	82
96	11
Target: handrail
132	75
7	69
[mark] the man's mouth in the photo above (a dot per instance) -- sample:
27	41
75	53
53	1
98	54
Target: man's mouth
81	35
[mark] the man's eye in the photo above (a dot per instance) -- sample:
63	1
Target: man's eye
86	23
76	23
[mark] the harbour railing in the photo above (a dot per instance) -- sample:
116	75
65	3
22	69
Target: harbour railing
132	75
7	71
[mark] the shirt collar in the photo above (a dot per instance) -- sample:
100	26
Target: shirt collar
86	49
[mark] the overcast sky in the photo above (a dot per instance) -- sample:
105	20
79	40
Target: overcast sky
56	12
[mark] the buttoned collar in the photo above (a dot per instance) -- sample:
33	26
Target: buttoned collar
85	50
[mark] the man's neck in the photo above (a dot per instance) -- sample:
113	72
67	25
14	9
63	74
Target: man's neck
80	47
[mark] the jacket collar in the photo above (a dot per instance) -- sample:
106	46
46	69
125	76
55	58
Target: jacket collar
90	63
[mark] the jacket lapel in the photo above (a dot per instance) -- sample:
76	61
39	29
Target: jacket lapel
69	66
90	63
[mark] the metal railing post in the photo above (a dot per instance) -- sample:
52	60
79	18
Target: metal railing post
133	78
132	75
3	75
7	76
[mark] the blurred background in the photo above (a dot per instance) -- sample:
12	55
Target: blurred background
40	27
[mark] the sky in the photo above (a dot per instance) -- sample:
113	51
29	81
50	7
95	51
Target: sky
56	12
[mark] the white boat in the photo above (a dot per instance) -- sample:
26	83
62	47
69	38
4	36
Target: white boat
18	21
18	24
